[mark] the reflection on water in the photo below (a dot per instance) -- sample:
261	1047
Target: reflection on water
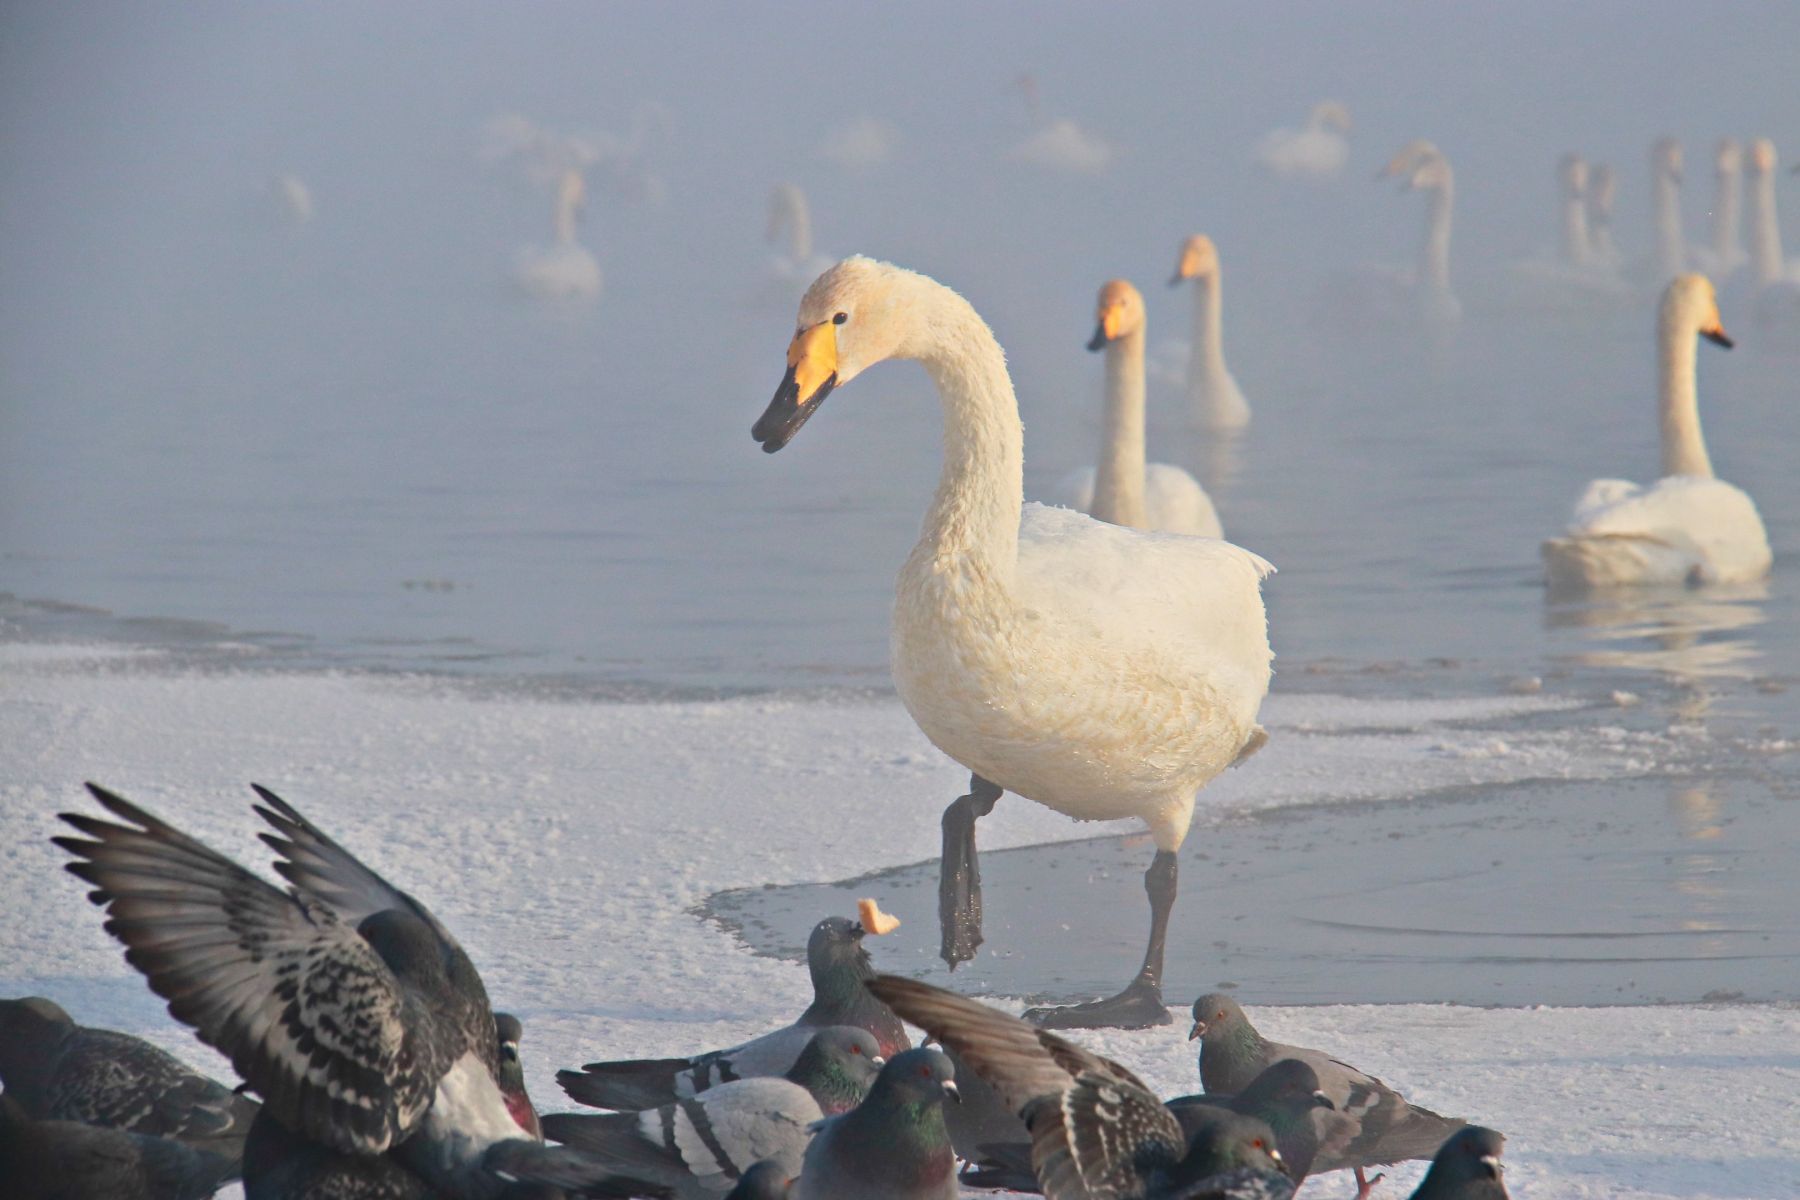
1697	872
1681	633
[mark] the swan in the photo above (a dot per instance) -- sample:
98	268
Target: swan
1777	278
1665	198
860	145
789	212
1123	490
293	197
1103	672
1726	253
1214	398
1602	197
566	268
1572	181
1316	152
1688	527
1576	277
1062	145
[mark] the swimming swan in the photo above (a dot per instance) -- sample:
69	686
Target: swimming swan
1665	201
1423	168
1314	153
1726	253
1214	398
1602	198
1777	277
1102	672
789	213
1688	527
565	269
1123	490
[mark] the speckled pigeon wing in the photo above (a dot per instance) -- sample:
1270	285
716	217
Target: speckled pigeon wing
307	1012
1009	1054
121	1082
1103	1139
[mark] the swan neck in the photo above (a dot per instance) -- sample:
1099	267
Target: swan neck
1725	218
1671	251
1119	477
1765	230
1683	449
1434	256
974	515
565	220
800	238
1574	230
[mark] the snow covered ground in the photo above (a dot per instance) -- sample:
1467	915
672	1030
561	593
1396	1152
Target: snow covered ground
569	844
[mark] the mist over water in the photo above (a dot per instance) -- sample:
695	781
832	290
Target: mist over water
355	441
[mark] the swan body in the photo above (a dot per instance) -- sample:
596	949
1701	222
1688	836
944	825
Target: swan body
565	269
1123	489
1214	399
1687	528
1315	152
1062	145
1725	254
789	213
1100	671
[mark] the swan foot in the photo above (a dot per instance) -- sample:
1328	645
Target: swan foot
959	877
1139	1006
1364	1186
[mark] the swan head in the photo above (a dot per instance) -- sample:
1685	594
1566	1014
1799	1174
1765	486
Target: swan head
1407	158
1762	157
1665	158
1728	156
1330	114
1572	173
1690	306
1118	312
858	313
1199	259
1431	173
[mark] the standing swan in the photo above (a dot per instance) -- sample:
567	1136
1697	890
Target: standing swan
1123	490
1214	398
1688	526
1103	672
1316	153
565	269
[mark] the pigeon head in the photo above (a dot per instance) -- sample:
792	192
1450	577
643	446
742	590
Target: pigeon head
838	1067
836	943
920	1078
766	1180
1215	1015
1470	1156
511	1075
1290	1083
1222	1140
28	1029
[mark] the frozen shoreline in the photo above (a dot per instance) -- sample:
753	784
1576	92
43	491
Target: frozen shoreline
569	845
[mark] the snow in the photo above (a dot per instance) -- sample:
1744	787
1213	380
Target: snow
569	843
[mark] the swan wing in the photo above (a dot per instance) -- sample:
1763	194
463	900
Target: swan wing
1692	527
1176	503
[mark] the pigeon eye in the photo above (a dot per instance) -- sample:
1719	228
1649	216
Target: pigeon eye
840	318
924	1072
856	1049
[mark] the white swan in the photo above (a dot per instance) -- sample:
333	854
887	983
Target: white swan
1062	145
1214	398
293	198
1688	527
1572	182
1777	277
1103	672
1602	198
1315	152
1423	168
860	144
1726	253
1665	201
1123	489
1577	277
789	213
564	269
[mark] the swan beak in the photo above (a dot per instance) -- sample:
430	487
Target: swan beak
1112	321
1177	279
1098	341
811	375
1717	336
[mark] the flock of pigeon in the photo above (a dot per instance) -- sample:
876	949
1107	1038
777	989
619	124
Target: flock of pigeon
384	1073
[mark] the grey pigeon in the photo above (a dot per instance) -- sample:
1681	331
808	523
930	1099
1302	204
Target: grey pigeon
279	1165
839	966
56	1070
67	1160
1096	1129
763	1181
1467	1167
342	1001
509	1029
703	1145
892	1146
1383	1128
1288	1098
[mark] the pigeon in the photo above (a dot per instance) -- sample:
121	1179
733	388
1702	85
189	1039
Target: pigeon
56	1070
1096	1129
703	1145
1382	1128
67	1160
509	1029
1287	1097
342	1001
892	1146
279	1165
763	1181
840	967
1467	1167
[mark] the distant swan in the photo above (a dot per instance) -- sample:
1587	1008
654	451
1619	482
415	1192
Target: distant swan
1602	197
1316	152
294	198
1124	490
564	269
1688	527
1105	673
1726	253
1665	201
1214	398
1777	277
789	213
1577	277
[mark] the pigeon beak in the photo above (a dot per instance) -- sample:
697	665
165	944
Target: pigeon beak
1276	1155
952	1091
1493	1165
878	1060
1321	1100
1198	1030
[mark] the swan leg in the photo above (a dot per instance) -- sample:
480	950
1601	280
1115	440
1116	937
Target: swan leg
959	877
1140	1005
1365	1186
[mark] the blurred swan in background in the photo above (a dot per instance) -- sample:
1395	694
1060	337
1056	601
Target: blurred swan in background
1315	152
789	213
1572	182
1777	277
1689	527
1725	254
859	144
1376	295
293	198
565	268
1665	204
1214	399
544	156
1123	490
1059	144
1576	276
1602	198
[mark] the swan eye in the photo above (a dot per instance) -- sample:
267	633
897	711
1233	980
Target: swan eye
840	318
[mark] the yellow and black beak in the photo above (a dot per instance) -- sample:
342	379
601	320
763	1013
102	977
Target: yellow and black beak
1718	337
1107	328
1099	340
811	375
